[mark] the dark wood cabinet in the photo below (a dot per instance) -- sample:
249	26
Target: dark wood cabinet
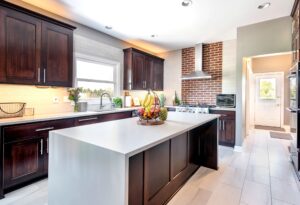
57	47
34	49
156	174
226	127
157	75
142	71
295	32
26	147
23	161
20	47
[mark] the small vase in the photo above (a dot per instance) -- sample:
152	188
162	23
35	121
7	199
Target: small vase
76	107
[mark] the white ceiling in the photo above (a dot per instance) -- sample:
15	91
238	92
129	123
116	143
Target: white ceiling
175	26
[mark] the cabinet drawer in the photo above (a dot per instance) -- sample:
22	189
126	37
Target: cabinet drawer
33	130
87	120
115	116
224	114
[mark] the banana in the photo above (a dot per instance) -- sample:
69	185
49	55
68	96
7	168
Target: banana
146	99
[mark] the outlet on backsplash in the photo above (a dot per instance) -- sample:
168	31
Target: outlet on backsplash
55	100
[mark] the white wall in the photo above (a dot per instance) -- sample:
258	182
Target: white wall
229	67
172	74
267	37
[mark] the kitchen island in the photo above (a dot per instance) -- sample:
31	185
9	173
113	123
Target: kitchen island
120	162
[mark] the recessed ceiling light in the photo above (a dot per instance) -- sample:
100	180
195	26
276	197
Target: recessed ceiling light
153	35
108	27
186	3
264	5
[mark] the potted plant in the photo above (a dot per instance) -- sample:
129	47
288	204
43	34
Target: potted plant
118	102
74	95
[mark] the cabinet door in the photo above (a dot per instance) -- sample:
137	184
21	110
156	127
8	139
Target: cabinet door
229	131
138	67
179	154
158	75
149	64
20	48
221	132
156	170
57	44
22	161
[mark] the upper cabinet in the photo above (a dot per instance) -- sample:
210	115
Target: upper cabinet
142	71
34	49
295	32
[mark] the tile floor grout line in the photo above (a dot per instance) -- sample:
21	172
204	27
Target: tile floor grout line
270	182
246	172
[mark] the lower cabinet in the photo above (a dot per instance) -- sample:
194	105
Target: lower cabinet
23	161
226	127
25	156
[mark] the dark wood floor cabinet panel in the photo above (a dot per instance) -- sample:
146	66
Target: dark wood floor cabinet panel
23	161
179	154
167	166
142	71
58	55
20	47
34	49
226	127
136	179
157	170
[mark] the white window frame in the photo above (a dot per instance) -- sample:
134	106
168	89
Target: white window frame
96	59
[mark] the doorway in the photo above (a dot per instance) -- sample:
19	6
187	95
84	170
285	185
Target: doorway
268	99
267	92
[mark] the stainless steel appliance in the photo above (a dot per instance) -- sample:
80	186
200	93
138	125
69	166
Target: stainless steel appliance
294	109
225	100
201	108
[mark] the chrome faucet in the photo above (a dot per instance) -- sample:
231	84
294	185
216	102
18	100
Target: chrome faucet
101	98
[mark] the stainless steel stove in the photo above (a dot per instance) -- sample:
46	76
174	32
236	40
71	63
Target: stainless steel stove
202	108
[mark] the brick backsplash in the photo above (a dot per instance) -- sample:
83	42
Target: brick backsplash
203	90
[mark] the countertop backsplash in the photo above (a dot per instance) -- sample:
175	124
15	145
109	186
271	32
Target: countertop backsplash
41	99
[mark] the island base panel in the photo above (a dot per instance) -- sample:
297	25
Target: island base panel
156	174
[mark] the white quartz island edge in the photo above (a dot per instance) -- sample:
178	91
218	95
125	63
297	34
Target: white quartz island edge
89	164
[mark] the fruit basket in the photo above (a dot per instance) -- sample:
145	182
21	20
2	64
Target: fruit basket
153	111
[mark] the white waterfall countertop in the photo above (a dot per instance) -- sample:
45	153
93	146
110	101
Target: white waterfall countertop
128	138
90	164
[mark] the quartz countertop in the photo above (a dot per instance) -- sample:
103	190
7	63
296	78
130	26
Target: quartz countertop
212	108
128	138
224	108
46	117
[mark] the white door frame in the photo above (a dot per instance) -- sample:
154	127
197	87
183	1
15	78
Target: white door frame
282	94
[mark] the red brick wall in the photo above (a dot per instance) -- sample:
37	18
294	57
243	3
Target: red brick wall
203	90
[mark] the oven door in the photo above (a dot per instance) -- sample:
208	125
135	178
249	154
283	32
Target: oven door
293	90
294	148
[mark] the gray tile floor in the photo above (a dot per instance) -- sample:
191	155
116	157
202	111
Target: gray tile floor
259	175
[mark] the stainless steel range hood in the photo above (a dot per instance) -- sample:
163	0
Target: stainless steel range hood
197	73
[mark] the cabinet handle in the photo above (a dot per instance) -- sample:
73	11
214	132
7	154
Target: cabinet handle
44	129
88	119
145	84
47	140
223	125
220	124
39	75
42	144
154	85
44	75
